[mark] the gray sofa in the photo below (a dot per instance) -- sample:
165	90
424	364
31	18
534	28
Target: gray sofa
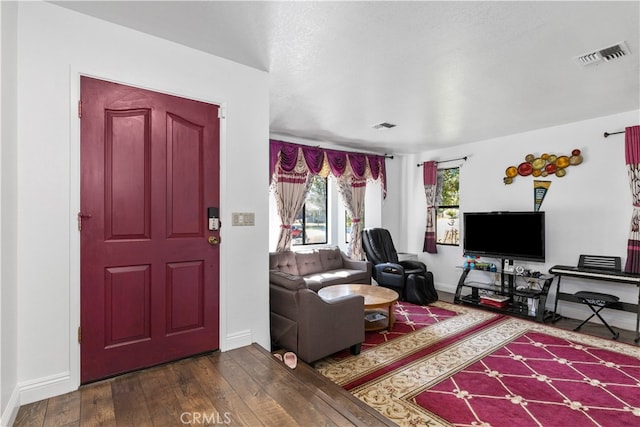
321	267
303	322
311	327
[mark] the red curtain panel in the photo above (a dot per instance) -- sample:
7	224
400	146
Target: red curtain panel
430	174
632	159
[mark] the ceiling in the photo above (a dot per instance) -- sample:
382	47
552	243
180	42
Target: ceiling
445	73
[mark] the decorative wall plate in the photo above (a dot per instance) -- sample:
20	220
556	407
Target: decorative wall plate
543	165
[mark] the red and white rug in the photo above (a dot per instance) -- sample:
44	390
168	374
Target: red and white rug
416	328
480	369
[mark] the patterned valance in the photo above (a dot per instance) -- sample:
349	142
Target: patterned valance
319	161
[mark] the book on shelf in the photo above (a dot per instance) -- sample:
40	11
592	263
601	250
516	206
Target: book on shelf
499	301
496	298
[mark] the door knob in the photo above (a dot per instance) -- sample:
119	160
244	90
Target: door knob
213	240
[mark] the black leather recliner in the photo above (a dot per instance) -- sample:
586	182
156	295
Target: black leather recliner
387	270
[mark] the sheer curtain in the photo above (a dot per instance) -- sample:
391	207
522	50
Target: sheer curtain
632	159
430	173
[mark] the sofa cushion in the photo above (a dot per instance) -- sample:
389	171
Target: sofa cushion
308	263
286	280
331	258
283	261
314	282
341	276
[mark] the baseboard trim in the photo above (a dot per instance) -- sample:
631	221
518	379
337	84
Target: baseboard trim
10	412
55	385
46	387
237	340
445	287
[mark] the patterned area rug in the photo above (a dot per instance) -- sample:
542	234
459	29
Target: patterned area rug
481	369
408	318
417	329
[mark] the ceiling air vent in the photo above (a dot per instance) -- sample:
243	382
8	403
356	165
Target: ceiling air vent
604	55
384	125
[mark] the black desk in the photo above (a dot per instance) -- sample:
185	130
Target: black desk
597	274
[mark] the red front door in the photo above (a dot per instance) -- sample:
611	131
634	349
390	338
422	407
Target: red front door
149	276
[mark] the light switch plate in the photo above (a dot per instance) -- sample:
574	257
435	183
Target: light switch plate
243	218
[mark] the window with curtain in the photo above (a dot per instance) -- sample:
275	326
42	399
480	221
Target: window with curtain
293	168
311	225
448	207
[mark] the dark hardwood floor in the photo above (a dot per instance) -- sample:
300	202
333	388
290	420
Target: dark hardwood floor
246	386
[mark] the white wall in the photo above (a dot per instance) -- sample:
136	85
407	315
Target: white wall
393	206
587	212
8	213
55	46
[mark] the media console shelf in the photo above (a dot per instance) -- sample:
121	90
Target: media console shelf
523	296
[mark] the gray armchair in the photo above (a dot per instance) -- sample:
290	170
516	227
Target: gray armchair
302	322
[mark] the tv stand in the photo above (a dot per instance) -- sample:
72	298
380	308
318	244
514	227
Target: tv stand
506	292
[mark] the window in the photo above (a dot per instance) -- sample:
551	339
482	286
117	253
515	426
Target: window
448	203
347	226
310	226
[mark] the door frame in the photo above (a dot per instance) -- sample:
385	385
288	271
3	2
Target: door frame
74	206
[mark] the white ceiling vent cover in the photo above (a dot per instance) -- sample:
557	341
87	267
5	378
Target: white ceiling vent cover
604	55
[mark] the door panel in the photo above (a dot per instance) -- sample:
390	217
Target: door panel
127	174
149	278
185	290
186	214
127	305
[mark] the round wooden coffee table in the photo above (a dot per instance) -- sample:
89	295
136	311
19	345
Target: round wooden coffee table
378	303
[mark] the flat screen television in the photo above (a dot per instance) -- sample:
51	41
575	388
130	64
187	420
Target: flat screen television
505	235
